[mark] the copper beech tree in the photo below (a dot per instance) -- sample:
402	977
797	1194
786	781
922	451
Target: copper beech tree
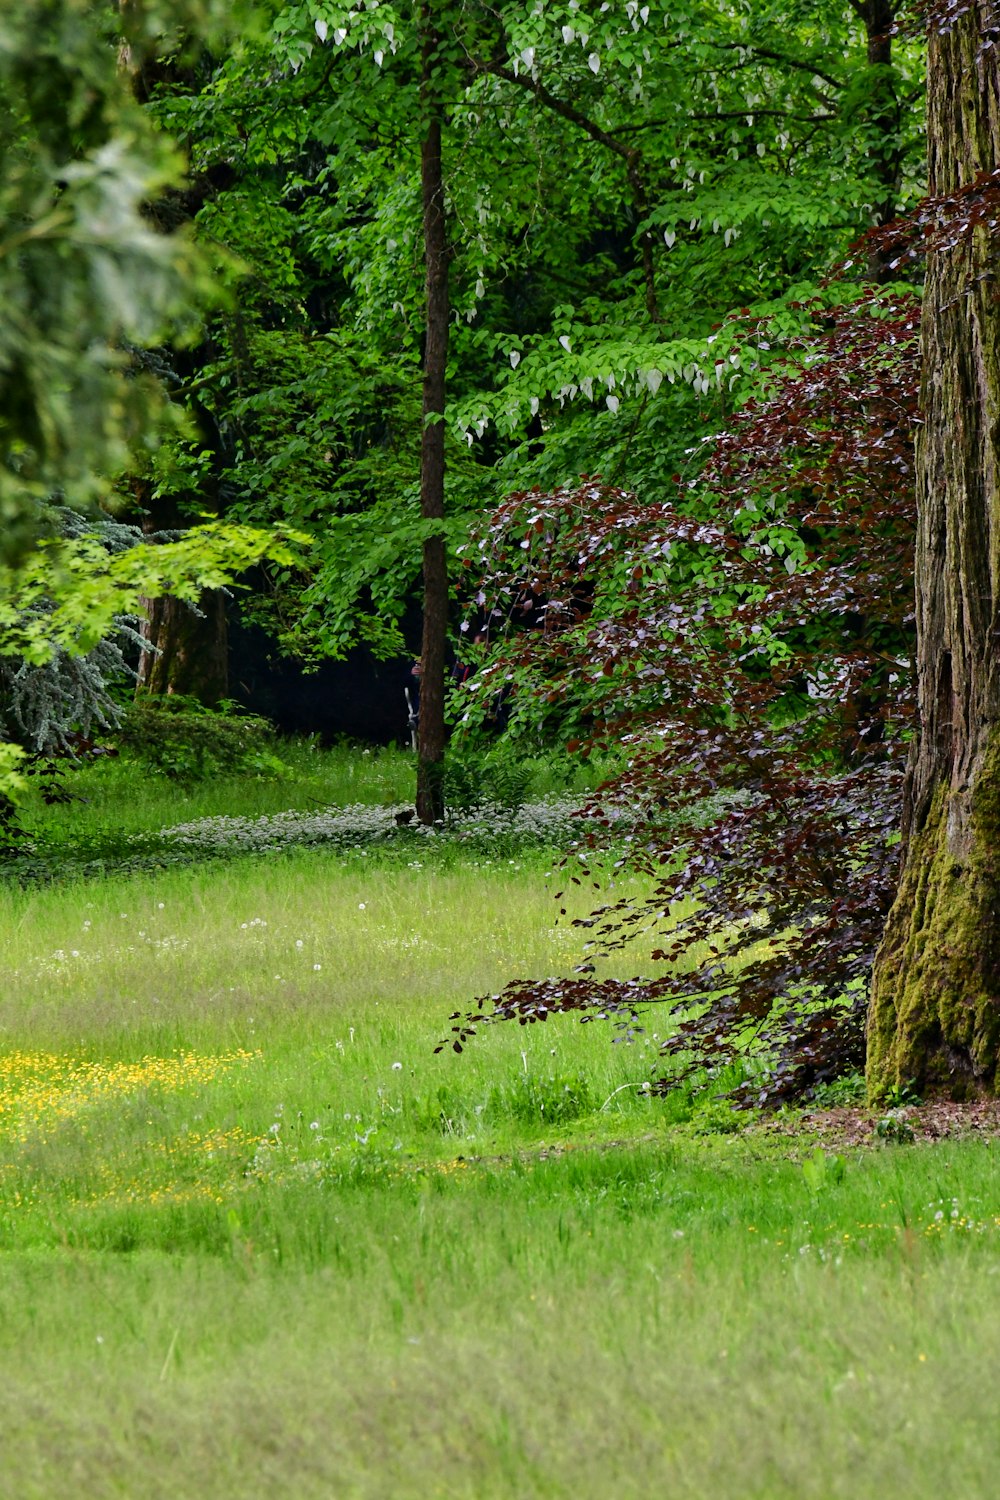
749	643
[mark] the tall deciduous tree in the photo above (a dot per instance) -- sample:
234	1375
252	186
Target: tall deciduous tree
935	1004
660	166
431	729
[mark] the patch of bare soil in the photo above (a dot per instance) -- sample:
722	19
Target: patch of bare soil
939	1119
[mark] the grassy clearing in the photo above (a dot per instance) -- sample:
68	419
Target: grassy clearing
255	1238
682	1318
280	1018
121	817
118	796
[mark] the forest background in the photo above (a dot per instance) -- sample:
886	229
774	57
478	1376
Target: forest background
629	217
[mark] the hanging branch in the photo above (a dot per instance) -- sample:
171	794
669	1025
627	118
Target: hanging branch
630	155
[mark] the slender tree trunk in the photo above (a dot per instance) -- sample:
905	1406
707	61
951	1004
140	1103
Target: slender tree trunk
883	107
934	1017
882	118
431	730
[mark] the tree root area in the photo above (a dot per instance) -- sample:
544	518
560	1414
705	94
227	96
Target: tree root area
936	1120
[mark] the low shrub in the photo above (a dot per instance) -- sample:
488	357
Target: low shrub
498	782
178	737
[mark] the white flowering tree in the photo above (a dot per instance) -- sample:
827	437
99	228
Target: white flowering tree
607	182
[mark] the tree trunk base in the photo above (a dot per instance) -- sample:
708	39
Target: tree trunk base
934	1014
430	790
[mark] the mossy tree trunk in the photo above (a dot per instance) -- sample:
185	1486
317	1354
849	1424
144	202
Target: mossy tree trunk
934	1017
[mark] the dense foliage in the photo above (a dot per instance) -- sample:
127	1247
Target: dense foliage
84	275
617	183
641	204
88	283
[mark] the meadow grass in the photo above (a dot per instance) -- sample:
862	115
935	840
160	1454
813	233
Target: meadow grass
118	795
256	1238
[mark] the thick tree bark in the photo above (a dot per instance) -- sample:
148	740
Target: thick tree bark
188	650
431	729
934	1016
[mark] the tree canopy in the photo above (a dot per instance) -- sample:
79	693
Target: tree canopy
618	186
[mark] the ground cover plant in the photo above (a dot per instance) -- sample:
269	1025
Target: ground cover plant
256	1236
118	810
260	1231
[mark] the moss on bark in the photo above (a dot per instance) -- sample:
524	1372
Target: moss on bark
934	1018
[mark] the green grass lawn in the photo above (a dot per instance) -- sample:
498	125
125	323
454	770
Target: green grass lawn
257	1239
